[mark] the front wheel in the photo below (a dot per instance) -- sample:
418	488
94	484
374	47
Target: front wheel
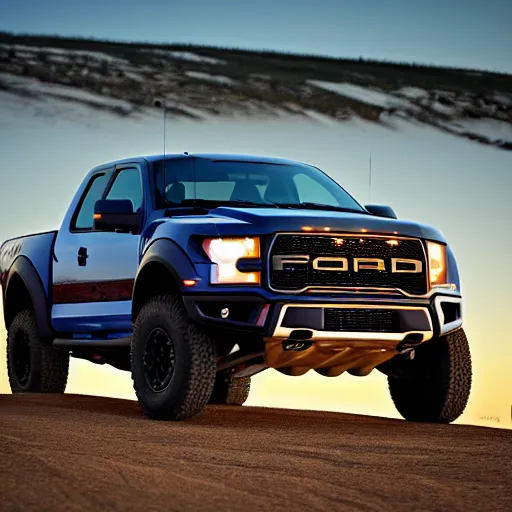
435	385
33	365
173	362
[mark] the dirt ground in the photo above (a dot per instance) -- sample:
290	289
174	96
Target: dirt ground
73	452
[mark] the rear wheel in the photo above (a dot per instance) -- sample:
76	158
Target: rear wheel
230	391
173	362
435	385
33	365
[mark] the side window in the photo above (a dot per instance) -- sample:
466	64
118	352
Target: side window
94	191
310	191
127	185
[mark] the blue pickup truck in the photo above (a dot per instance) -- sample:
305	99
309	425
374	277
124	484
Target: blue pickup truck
196	272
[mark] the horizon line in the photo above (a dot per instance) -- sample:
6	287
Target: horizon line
254	51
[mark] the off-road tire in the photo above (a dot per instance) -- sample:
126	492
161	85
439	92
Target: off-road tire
436	384
193	374
230	391
34	365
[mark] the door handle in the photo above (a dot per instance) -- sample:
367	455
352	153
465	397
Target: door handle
82	256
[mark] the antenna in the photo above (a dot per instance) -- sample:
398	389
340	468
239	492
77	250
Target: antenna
160	103
370	179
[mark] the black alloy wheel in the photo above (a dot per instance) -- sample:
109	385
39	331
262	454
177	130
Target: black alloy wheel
159	359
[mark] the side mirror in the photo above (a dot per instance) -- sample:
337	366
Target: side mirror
116	215
381	210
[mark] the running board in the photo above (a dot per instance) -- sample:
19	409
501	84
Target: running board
92	343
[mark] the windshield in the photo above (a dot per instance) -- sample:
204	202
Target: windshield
190	180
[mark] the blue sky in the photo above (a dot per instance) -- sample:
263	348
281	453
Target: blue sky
462	33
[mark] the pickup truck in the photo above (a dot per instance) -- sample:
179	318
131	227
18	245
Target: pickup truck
195	272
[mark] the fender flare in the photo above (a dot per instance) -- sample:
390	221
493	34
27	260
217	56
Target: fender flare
25	270
169	254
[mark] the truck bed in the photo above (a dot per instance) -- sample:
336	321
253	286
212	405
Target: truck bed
36	248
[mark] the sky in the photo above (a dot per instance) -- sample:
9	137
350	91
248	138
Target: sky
460	33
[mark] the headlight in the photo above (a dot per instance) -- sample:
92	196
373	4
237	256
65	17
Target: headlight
436	263
225	253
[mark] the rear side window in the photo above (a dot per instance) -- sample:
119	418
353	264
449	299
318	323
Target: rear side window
94	191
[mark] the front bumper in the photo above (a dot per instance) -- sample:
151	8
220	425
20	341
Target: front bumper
268	315
299	333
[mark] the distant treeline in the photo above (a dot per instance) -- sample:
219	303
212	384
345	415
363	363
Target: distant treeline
393	74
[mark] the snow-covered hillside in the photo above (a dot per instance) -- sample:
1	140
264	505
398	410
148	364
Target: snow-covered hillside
202	82
52	134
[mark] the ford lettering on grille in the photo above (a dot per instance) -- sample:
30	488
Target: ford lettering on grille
301	262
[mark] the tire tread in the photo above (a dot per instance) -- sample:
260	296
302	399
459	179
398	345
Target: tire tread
444	396
230	391
50	366
200	371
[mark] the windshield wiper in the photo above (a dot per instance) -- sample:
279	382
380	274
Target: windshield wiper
215	203
318	206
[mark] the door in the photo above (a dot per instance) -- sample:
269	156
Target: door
94	271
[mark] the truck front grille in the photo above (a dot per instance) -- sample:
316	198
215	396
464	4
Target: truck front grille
361	320
289	274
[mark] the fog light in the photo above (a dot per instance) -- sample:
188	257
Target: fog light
224	313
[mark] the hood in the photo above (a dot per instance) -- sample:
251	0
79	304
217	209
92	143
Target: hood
256	221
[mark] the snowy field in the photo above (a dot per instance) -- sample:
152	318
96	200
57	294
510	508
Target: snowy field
48	144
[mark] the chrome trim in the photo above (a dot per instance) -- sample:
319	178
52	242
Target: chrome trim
284	332
452	326
330	269
377	300
360	235
417	268
448	289
367	264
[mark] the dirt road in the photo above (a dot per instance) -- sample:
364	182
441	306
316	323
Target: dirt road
87	453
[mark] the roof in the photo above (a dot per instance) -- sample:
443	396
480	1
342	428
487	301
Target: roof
210	156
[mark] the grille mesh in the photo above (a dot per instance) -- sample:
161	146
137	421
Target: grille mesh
295	277
360	320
